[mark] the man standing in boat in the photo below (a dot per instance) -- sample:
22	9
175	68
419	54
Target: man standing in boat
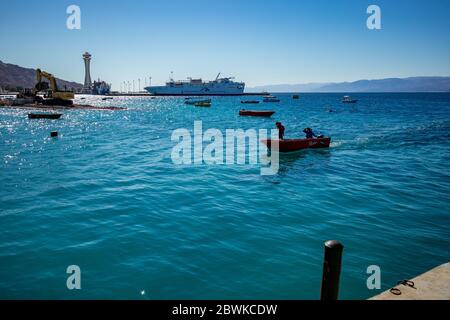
281	129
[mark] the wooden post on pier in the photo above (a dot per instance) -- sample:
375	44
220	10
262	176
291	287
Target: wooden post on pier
331	270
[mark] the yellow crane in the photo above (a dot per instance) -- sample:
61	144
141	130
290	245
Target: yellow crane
55	95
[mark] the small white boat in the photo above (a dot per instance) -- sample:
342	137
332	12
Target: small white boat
15	99
348	99
8	96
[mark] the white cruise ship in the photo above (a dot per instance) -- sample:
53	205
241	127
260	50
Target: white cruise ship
197	87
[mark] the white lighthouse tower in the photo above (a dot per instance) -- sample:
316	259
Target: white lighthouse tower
87	88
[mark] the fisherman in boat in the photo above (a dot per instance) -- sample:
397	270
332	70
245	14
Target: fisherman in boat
281	129
309	133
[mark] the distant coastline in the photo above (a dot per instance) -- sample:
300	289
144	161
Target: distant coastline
400	85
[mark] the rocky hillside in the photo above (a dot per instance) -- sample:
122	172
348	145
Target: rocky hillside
13	76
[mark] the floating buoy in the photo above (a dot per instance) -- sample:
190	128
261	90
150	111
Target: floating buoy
54	134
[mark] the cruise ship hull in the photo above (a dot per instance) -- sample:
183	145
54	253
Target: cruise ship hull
185	94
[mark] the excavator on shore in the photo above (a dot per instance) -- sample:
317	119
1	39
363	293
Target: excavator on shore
53	96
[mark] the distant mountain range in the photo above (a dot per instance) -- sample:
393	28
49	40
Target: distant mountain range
13	76
414	84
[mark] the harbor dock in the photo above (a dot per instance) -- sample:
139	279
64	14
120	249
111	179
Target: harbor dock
432	285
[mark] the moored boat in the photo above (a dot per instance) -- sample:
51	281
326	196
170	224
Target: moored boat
348	99
291	145
203	104
195	101
256	113
273	99
250	102
44	115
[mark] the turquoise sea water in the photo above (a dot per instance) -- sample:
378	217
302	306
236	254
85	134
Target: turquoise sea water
106	196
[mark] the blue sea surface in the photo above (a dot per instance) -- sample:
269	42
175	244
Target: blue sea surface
106	196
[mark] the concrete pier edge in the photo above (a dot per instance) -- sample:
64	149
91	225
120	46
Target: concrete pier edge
432	285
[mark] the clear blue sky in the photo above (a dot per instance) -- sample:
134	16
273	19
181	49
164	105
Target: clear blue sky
259	42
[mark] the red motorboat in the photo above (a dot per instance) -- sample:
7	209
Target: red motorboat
299	144
255	113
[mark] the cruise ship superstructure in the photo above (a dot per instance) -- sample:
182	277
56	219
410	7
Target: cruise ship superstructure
198	87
